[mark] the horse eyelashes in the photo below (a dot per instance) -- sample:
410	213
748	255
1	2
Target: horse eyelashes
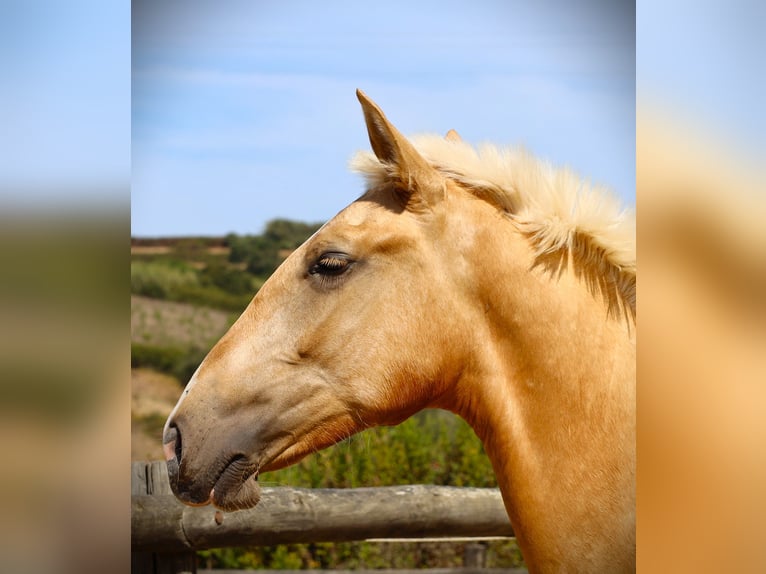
329	268
332	265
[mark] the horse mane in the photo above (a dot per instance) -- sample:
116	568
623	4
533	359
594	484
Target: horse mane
565	218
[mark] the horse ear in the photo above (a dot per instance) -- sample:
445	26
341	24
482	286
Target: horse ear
453	136
417	182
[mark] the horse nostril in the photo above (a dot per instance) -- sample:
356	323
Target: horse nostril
171	443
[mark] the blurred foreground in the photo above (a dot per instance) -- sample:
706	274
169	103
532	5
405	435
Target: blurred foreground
702	351
64	383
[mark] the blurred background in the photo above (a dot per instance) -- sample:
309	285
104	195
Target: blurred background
191	120
702	259
64	313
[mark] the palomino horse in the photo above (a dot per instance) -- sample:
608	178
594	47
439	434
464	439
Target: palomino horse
478	281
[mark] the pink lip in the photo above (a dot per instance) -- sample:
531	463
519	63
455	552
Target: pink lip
169	450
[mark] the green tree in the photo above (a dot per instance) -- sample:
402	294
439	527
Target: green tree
264	253
239	247
228	278
286	234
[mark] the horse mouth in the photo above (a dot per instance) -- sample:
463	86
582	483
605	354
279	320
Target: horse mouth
237	486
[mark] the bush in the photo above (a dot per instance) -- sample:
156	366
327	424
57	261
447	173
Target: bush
160	358
228	279
160	279
264	258
180	363
219	287
210	297
357	556
432	447
262	253
286	234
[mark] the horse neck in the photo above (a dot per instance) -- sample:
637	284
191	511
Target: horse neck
550	390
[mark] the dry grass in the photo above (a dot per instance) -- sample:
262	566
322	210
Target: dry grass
152	397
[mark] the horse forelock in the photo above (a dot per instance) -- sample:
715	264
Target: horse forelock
564	217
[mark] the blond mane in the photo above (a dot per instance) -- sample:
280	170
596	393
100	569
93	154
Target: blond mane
565	218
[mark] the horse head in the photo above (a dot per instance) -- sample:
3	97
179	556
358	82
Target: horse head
357	328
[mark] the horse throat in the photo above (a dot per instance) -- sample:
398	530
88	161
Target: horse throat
551	393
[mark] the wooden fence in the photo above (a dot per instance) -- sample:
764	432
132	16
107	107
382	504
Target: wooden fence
165	533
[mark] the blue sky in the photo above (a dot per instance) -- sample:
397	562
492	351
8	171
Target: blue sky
236	106
64	101
244	114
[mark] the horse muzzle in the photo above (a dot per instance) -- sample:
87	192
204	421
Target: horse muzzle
227	478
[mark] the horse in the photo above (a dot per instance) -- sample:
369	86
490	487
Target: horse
479	280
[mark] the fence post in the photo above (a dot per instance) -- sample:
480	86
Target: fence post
475	555
152	478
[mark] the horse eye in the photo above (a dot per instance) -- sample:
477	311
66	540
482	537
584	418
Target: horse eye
330	264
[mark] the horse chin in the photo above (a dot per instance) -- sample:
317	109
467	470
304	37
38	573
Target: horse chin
237	488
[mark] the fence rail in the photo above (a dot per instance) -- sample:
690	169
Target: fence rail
163	528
